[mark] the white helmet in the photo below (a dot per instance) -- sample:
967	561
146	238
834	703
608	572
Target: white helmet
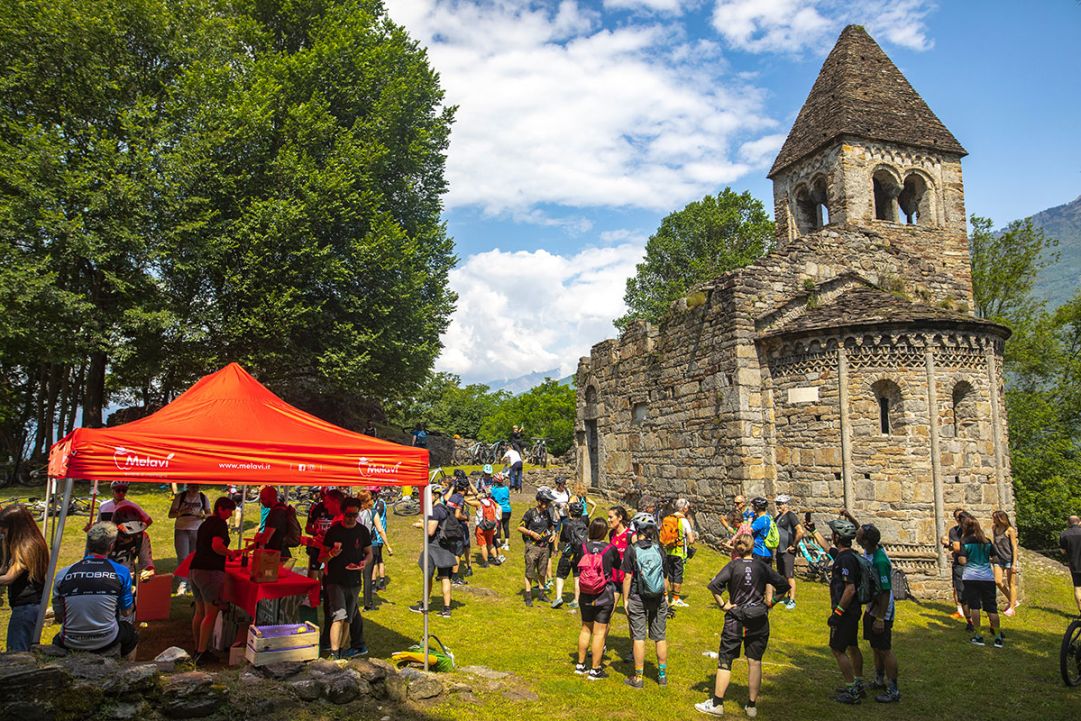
643	521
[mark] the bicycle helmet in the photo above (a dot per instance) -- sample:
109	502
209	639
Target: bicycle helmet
544	493
642	521
128	520
487	470
119	484
576	509
759	504
561	481
843	527
783	500
459	473
437	490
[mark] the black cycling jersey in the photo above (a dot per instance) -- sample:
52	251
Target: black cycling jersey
745	581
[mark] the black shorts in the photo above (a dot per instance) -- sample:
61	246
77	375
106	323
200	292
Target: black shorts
786	564
879	641
753	640
673	568
981	595
313	558
566	568
595	614
846	633
958	579
1076	579
377	554
446	572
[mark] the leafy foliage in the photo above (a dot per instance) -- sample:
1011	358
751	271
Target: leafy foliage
185	183
546	411
447	407
1043	376
707	238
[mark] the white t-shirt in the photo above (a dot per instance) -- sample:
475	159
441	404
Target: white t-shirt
561	501
190	510
512	456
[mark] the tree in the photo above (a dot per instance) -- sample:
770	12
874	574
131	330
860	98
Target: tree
546	411
1042	366
447	407
707	238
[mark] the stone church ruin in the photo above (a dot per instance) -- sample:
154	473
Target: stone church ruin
845	367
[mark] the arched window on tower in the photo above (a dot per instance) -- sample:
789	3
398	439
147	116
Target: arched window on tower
812	206
890	414
886	189
913	200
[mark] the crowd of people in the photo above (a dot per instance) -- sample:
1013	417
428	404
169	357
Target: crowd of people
572	556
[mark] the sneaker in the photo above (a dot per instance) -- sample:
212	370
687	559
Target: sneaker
751	711
369	607
708	708
892	695
1009	612
662	679
557	603
680	603
573	605
977	641
504	547
790	605
458	582
856	688
543	598
635	681
878	683
468	572
361	650
999	642
331	655
502	559
417	608
529	602
181	589
597	674
548	585
445	613
580	669
206	658
484	564
849	697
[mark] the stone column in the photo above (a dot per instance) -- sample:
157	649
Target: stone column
846	430
936	458
996	425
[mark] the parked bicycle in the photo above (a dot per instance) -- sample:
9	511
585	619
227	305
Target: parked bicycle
538	452
1070	654
76	507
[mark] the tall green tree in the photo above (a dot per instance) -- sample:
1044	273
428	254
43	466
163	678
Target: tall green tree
707	238
546	411
444	405
1042	366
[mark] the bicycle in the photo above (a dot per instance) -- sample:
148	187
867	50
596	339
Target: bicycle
1070	654
538	453
406	506
819	561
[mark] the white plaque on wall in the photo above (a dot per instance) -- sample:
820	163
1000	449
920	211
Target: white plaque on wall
807	394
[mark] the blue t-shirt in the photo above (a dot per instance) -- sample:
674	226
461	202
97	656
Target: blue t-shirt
501	495
379	518
978	560
760	529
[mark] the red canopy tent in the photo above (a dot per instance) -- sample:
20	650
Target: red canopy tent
229	428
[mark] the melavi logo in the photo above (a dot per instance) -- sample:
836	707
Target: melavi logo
131	461
371	469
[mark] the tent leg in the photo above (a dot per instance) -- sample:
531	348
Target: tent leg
243	494
54	557
46	522
427	566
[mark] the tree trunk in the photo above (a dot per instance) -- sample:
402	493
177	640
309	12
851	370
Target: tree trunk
94	395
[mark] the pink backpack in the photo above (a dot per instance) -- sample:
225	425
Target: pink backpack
591	578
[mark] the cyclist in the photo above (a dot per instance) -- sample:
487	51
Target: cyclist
844	620
750	587
738	520
536	529
760	528
485	481
420	436
380	541
878	619
501	495
949	541
513	459
594	562
444	532
132	548
488	514
119	499
1070	543
619	535
517	442
572	534
790	531
189	507
581	493
647	604
678	551
974	553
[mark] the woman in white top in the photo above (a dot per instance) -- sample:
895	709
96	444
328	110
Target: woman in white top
190	506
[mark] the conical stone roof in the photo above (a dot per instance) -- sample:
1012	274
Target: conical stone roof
861	93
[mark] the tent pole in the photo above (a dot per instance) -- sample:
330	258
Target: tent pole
243	495
48	499
424	511
54	557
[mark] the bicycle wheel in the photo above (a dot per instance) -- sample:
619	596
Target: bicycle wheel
542	457
1070	655
406	507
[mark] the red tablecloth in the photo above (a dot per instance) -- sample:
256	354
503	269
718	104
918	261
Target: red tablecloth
241	591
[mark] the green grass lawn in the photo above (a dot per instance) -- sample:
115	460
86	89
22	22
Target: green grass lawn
941	674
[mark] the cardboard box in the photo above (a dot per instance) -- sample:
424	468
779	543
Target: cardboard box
237	653
264	565
291	642
154	598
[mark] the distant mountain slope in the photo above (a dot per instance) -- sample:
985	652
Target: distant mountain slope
521	384
1059	282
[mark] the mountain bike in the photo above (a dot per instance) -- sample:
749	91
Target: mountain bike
1070	654
538	453
819	561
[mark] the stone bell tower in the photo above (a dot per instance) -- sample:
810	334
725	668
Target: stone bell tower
867	152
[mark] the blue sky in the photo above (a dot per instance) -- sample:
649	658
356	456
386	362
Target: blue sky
581	124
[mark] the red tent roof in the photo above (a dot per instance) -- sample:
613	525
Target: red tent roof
228	428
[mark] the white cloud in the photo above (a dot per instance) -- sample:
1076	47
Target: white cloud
519	312
556	108
792	26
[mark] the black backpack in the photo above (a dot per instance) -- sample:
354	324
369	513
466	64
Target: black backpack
901	590
578	533
451	531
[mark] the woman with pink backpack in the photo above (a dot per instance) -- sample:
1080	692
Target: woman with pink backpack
595	560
